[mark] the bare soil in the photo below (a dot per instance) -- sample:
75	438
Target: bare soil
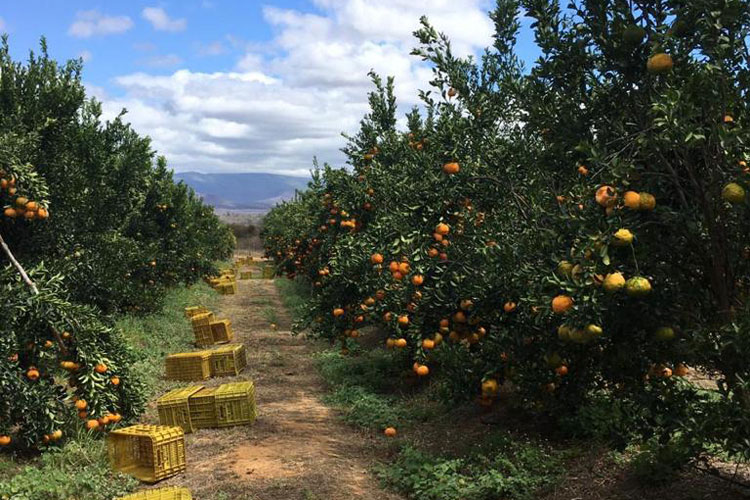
297	448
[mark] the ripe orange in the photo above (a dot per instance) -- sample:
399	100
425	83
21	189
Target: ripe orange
451	168
443	256
115	381
606	196
423	371
376	258
428	344
393	266
433	252
403	320
583	170
659	63
681	370
92	424
509	307
390	432
561	370
42	213
389	343
338	312
380	294
404	268
81	404
401	342
632	200
10	212
459	317
100	368
452	92
32	374
397	276
5	440
562	304
442	229
648	202
417	280
445	323
490	387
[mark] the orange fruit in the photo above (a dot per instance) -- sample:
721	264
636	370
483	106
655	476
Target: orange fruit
417	280
423	371
433	252
376	258
459	317
10	212
92	424
5	440
100	368
583	170
338	312
393	266
428	344
681	370
81	405
397	276
403	320
659	64
390	432
445	323
606	196
509	307
632	200
490	387
561	304
42	213
32	374
648	202
389	343
442	229
380	294
451	168
561	370
400	342
404	268
452	92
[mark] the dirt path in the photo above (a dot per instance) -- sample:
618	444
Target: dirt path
297	449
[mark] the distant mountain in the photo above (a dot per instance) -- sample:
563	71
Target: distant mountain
243	191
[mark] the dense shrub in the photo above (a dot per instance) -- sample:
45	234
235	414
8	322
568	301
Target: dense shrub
579	228
101	227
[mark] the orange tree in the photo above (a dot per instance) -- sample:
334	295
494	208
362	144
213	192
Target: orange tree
102	228
580	228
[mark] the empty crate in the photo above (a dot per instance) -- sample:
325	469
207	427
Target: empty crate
193	310
160	494
189	366
202	328
221	331
228	360
174	409
235	404
246	275
147	452
227	288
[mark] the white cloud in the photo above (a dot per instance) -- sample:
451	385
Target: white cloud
85	55
92	22
160	20
288	100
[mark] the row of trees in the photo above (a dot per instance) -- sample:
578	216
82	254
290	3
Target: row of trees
92	225
578	228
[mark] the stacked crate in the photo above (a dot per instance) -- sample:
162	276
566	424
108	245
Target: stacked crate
198	407
194	310
227	360
148	452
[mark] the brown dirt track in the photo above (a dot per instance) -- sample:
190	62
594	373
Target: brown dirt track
297	448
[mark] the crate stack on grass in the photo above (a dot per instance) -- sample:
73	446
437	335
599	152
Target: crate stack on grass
209	331
198	407
226	283
225	361
149	453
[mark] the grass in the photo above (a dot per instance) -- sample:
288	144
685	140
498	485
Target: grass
80	469
294	294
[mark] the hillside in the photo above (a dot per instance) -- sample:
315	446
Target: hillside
243	190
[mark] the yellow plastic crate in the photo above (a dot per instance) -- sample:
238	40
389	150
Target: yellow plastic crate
268	272
149	453
221	331
203	408
235	404
189	366
193	310
202	328
160	494
174	410
246	275
228	272
228	360
227	288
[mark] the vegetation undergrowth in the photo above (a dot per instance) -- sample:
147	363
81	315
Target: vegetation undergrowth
80	468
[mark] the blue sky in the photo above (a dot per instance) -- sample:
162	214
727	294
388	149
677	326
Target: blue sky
225	85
